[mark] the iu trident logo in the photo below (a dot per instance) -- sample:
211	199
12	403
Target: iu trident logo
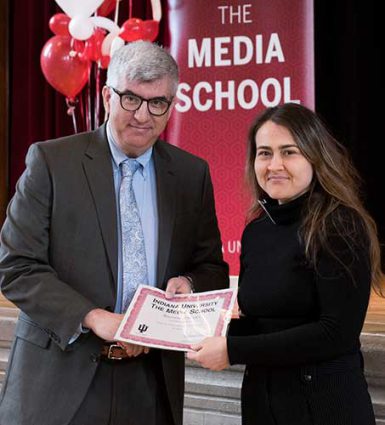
142	328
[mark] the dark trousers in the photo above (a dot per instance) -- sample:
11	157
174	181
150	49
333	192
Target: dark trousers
127	392
328	393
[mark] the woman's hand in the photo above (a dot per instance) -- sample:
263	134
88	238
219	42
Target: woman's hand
211	353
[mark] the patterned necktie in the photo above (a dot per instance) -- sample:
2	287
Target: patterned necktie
133	249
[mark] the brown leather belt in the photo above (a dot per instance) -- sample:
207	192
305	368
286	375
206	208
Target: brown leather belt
113	351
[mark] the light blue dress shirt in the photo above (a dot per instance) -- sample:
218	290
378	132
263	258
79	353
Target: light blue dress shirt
144	185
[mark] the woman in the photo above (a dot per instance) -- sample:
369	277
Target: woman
309	257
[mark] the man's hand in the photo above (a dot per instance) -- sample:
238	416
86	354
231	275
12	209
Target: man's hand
103	323
211	353
133	350
178	285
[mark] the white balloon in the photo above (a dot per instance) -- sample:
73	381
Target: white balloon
81	28
106	45
107	24
116	44
84	8
156	10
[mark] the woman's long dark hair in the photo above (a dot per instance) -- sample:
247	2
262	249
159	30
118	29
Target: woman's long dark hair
335	184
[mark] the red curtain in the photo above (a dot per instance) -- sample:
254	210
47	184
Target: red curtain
37	111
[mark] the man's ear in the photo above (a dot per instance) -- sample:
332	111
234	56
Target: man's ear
106	93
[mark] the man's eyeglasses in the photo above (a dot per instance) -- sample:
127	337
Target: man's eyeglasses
130	101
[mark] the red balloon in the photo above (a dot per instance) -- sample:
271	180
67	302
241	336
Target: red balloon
104	62
106	8
93	46
131	30
136	29
78	46
62	67
150	30
59	24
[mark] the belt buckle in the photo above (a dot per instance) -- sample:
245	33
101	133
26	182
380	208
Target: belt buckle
110	355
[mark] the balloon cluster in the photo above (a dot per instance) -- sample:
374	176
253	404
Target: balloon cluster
83	36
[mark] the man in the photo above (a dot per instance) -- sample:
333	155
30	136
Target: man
78	239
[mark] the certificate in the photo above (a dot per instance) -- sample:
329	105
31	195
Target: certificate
176	323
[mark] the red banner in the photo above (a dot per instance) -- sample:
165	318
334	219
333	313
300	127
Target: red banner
236	58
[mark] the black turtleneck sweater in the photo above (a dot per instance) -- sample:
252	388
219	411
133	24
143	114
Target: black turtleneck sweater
296	314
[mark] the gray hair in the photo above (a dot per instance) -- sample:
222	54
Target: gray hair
142	61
